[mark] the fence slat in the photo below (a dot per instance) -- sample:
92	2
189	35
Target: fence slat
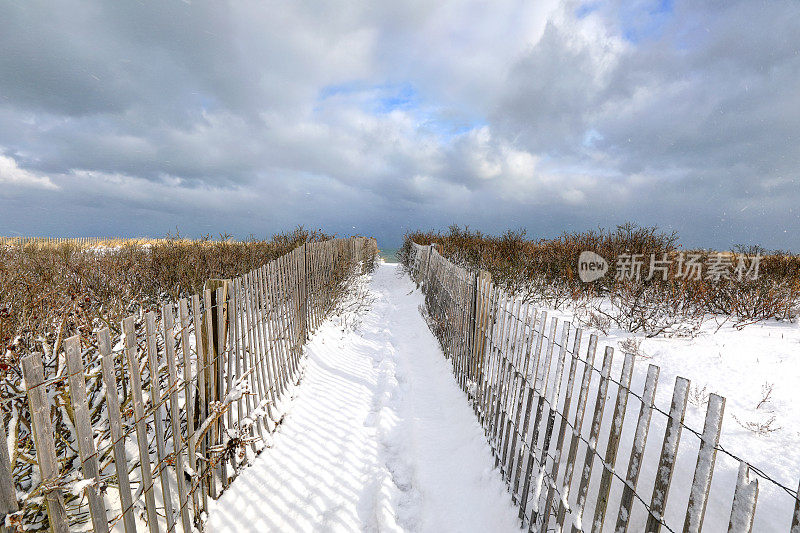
552	400
745	497
8	495
669	450
613	443
562	430
158	421
698	495
637	450
569	467
220	335
174	416
33	373
83	427
196	395
115	424
129	335
515	457
594	433
796	515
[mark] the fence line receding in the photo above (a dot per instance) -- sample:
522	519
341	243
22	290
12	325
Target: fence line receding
157	420
569	438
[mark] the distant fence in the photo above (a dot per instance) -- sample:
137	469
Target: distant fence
87	241
531	390
153	424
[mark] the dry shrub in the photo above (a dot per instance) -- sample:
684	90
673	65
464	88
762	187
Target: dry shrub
544	272
51	292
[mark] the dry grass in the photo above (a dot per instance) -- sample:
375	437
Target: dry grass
544	271
50	291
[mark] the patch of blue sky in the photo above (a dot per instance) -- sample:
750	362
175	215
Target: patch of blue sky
381	99
586	9
645	21
448	128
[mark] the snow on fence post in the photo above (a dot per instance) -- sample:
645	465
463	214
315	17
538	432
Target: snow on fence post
85	436
115	425
637	449
613	443
669	450
8	495
698	496
42	428
745	497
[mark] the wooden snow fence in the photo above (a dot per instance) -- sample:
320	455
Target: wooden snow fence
554	413
195	388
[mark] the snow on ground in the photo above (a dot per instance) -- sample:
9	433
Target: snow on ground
742	366
379	437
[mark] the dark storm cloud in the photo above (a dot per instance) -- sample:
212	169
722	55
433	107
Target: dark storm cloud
138	117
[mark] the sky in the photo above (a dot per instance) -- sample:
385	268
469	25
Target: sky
378	118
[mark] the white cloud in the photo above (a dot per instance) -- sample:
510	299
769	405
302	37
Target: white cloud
11	173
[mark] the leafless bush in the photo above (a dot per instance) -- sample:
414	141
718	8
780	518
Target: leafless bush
633	345
544	272
51	292
698	396
764	422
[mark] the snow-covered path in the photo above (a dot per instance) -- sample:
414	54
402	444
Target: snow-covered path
379	437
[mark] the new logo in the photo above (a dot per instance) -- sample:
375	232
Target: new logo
591	266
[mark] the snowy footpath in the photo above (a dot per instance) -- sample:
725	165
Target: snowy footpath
378	438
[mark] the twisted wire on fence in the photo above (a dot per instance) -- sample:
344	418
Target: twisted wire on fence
525	398
184	402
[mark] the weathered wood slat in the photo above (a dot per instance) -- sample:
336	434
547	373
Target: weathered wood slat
552	406
8	495
129	336
610	458
669	451
704	470
594	434
200	371
220	391
745	497
174	416
563	414
796	515
33	373
158	421
253	354
637	450
116	427
538	390
569	467
514	459
83	427
210	372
